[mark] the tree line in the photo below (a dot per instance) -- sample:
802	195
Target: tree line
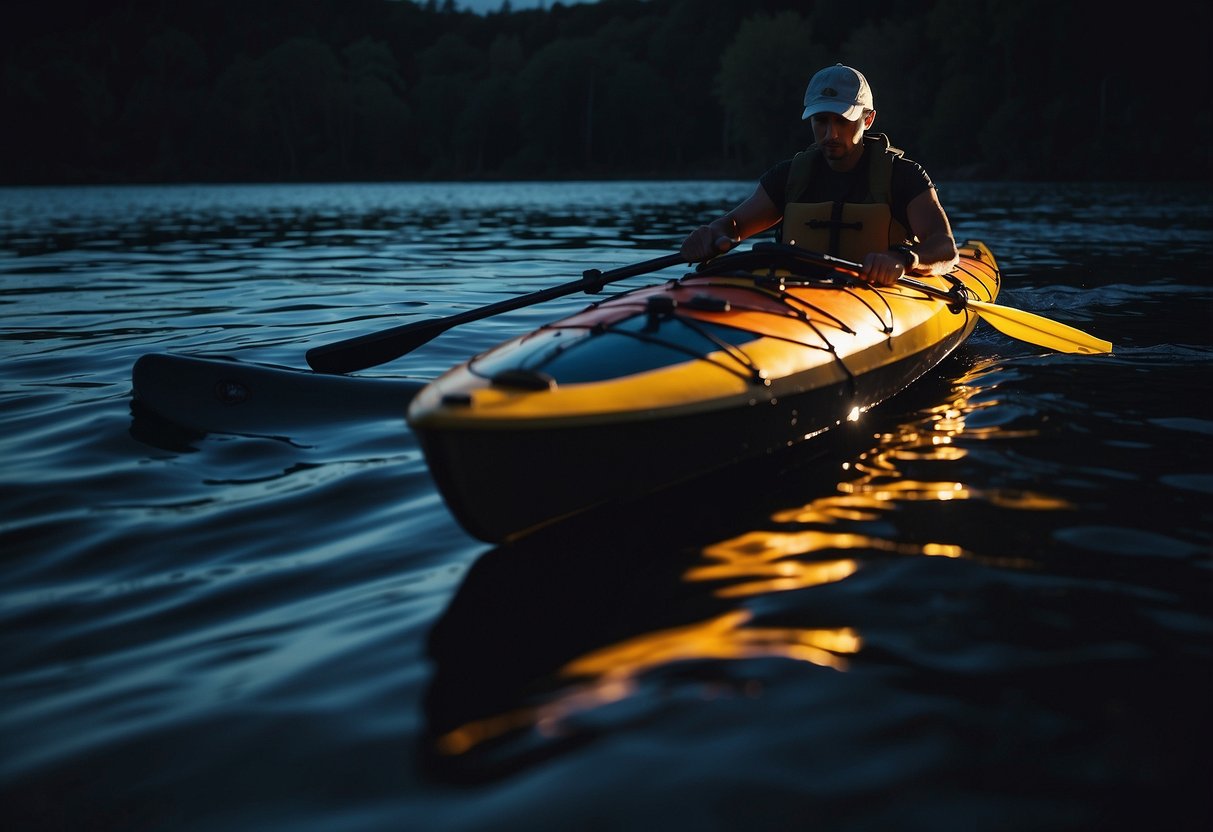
291	90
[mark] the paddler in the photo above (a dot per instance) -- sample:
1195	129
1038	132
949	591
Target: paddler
850	194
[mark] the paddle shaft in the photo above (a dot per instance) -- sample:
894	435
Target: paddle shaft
376	348
926	288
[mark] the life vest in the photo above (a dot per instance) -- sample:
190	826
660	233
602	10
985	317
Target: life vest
844	229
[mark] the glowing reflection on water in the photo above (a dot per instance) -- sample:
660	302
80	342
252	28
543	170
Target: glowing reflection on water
613	671
724	637
763	561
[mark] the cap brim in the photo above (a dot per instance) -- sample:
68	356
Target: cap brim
851	112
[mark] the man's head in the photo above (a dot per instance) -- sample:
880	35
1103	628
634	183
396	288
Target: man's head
838	89
839	105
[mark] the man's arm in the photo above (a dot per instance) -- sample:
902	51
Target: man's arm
755	215
936	252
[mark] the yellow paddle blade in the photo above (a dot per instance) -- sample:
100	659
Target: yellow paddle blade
1025	326
1038	330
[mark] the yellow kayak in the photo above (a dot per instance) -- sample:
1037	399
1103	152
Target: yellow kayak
744	356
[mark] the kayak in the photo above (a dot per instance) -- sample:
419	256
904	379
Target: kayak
742	357
745	356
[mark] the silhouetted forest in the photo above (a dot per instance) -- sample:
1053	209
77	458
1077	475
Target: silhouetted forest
287	90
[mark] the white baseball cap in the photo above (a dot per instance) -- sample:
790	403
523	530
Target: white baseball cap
838	89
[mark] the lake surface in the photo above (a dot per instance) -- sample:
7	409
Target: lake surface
989	606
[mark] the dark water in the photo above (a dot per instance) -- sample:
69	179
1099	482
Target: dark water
989	606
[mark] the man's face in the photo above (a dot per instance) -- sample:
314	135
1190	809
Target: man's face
839	139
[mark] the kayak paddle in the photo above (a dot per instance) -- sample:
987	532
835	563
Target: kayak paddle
1024	326
375	348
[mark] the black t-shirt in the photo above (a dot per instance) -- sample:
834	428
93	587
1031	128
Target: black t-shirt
828	185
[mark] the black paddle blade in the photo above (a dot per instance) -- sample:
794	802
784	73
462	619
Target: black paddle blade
376	348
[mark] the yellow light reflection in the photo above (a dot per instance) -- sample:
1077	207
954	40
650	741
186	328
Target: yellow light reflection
546	718
760	562
932	439
612	671
723	637
830	509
